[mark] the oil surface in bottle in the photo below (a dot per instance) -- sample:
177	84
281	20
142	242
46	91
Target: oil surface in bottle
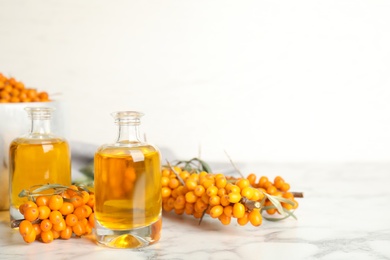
127	187
37	162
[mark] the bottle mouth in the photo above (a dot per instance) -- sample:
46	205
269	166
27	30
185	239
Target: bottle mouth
127	117
39	112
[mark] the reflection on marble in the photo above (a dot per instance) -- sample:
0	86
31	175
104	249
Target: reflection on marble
344	215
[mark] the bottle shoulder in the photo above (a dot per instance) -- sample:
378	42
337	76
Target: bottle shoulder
127	148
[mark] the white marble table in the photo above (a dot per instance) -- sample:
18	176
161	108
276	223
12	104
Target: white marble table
345	215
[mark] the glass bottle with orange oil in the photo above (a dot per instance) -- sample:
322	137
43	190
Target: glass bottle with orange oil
127	180
39	157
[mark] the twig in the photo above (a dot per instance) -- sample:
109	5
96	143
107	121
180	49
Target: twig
235	167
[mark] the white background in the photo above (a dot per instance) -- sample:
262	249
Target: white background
276	81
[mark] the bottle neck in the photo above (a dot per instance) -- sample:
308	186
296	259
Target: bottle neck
40	126
128	133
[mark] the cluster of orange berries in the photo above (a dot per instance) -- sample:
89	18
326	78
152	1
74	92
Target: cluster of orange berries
58	216
13	91
224	197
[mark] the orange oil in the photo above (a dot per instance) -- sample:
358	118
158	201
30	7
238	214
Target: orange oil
37	162
128	187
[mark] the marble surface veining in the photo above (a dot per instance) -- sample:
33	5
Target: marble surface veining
344	215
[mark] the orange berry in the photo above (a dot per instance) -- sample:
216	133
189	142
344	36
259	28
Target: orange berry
78	229
214	200
271	190
46	225
71	220
285	187
30	237
80	212
85	196
25	227
247	192
255	217
55	202
60	226
44	212
55	217
47	236
212	191
73	190
242	183
173	183
31	213
238	210
234	197
221	182
244	219
225	220
66	208
27	204
91	220
191	197
37	228
77	201
42	200
262	181
228	210
91	201
66	233
199	190
164	181
216	211
166	192
56	234
252	179
191	183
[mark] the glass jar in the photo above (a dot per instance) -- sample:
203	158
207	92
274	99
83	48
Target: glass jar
40	157
127	182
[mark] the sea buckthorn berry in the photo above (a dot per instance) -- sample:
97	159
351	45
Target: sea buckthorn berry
285	187
42	200
37	228
55	202
80	212
56	234
27	204
225	220
55	217
252	179
46	225
262	181
25	227
166	192
208	183
214	200
242	183
173	183
225	201
78	229
85	196
189	208
244	219
212	191
221	192
184	175
257	195
66	208
44	212
247	192
30	237
255	217
234	197
199	190
238	210
31	213
216	211
221	182
91	219
77	201
228	211
47	236
91	201
164	181
271	190
191	197
71	220
66	233
60	226
191	184
205	198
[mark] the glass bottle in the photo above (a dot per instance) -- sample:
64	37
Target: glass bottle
37	158
127	182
